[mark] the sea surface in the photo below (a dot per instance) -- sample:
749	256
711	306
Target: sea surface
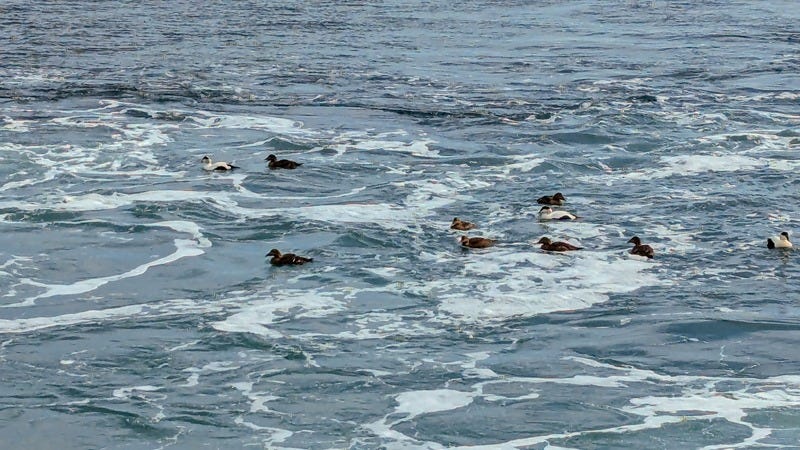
138	310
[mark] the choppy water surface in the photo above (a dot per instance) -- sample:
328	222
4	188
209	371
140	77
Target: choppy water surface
138	310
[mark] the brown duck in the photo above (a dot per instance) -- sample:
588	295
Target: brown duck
640	249
476	242
279	259
462	225
558	246
557	199
275	163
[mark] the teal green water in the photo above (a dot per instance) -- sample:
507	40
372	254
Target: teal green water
138	310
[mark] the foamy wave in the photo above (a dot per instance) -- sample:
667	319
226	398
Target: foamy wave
689	165
259	312
15	125
378	326
525	164
525	284
699	398
357	141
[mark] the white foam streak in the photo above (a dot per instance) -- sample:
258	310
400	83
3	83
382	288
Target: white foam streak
258	399
184	248
697	164
525	164
231	121
194	378
378	326
47	176
127	392
37	323
421	402
256	316
177	307
363	142
17	126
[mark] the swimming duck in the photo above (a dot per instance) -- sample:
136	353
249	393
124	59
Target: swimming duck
781	242
640	249
279	259
221	166
275	163
558	246
557	199
476	242
461	225
547	213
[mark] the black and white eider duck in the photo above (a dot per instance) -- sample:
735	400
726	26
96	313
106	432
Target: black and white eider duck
557	199
461	225
547	213
781	242
275	163
640	249
476	242
218	166
285	259
557	246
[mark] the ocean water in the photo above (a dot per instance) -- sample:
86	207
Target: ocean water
138	311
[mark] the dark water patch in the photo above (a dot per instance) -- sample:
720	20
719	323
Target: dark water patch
68	90
577	416
40	216
714	430
148	211
695	73
789	133
139	425
644	98
364	239
581	138
725	329
170	116
204	209
430	114
284	144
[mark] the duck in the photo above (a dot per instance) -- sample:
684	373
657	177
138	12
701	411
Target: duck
557	246
220	165
640	249
275	163
557	199
547	213
461	225
284	259
476	242
782	241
